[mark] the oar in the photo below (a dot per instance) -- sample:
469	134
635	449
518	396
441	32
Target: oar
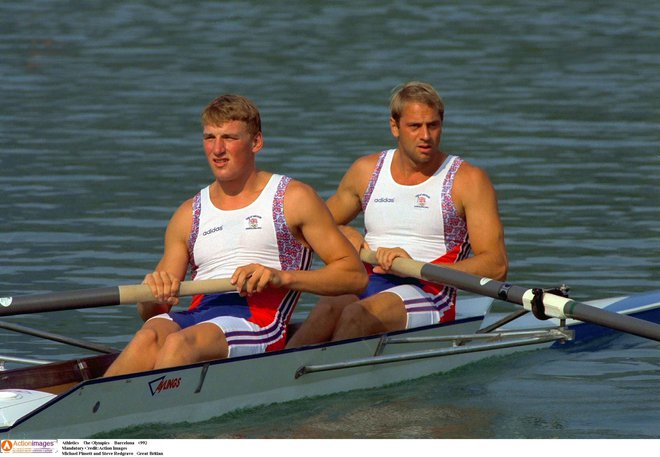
59	338
543	305
103	296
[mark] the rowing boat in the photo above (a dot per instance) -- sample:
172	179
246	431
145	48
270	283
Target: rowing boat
70	399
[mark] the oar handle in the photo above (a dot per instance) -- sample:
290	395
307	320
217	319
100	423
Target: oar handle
141	292
404	267
104	296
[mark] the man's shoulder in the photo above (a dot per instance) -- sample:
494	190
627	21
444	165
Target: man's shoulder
366	163
370	158
185	209
469	171
469	179
298	189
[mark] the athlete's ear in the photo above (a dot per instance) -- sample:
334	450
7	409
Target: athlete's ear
257	142
394	128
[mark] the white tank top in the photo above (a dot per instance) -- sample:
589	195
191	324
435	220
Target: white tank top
421	218
220	240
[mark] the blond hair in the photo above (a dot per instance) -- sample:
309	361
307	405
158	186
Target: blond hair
230	107
415	92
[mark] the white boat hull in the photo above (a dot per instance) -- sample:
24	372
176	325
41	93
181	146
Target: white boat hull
204	391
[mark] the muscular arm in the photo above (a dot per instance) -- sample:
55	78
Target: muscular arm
474	196
171	269
311	222
346	203
343	271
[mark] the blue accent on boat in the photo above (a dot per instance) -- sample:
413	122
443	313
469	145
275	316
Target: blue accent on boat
635	301
587	331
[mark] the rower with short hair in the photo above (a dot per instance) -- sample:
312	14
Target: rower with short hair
253	226
418	202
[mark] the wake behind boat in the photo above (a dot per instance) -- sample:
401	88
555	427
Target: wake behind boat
69	399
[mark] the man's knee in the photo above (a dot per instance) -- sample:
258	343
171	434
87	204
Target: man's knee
330	308
145	337
323	310
175	343
371	316
353	314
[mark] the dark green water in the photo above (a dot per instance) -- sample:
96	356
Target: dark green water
559	101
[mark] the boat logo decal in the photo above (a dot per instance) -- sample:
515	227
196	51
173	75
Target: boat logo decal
6	301
160	384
